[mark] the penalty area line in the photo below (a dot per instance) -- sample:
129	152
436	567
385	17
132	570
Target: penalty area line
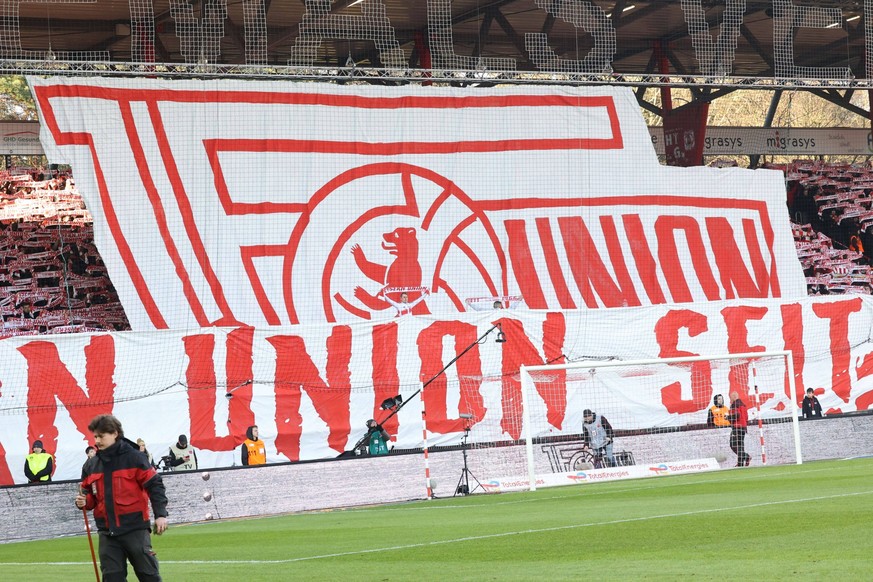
475	538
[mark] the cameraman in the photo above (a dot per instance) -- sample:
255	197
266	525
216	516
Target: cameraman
597	433
183	456
377	439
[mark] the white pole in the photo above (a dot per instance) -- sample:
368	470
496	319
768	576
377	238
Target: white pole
527	384
760	426
795	421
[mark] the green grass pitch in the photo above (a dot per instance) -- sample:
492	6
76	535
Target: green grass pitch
789	522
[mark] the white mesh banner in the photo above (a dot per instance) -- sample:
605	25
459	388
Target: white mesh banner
10	34
223	203
783	40
715	57
584	16
788	20
319	22
310	389
199	38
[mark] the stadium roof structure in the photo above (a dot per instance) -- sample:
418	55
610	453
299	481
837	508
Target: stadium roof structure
714	45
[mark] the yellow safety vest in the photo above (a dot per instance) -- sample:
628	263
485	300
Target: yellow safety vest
37	462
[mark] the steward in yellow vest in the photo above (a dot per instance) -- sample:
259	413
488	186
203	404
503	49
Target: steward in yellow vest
39	465
253	450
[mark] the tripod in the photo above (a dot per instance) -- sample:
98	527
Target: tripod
463	487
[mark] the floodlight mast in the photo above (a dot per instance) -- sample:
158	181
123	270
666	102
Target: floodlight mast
400	403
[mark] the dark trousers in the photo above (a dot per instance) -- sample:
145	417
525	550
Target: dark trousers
738	444
135	546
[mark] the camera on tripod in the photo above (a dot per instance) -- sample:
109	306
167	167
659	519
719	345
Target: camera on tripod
463	486
165	464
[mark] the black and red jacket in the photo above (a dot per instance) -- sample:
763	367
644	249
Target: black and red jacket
739	414
118	484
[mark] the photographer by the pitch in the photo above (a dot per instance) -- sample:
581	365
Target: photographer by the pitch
377	439
182	455
118	484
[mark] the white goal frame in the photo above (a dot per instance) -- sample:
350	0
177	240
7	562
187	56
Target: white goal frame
528	389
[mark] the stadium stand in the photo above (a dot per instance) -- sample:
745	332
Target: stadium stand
831	210
52	279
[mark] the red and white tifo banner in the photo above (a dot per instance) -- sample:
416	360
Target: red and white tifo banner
226	203
311	388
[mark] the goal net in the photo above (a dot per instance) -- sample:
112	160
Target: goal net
647	417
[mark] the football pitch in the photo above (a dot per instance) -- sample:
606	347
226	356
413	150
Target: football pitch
766	523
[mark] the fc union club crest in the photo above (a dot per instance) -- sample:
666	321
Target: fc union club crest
413	232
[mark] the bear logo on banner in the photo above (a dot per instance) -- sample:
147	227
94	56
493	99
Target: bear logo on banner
402	273
412	231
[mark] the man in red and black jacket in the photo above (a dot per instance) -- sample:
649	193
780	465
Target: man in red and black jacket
739	419
118	484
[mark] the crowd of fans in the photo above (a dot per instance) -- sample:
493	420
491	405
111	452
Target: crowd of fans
52	279
831	210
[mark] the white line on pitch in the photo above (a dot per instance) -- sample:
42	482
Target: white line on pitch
473	538
647	483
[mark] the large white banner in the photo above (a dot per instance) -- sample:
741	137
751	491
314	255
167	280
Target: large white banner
269	204
311	388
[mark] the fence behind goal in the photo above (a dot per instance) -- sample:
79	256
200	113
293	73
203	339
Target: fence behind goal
658	413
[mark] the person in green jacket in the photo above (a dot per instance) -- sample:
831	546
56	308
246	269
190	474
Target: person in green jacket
377	443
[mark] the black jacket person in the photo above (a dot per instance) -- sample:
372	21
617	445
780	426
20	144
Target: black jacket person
39	465
118	483
811	405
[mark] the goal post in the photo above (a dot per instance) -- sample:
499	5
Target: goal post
657	411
